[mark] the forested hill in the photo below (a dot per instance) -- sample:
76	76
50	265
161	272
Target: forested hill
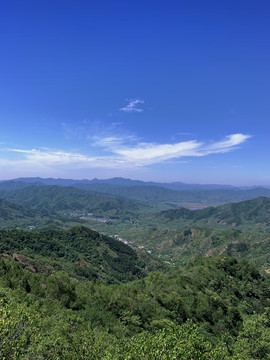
180	246
80	251
56	198
247	215
213	308
11	211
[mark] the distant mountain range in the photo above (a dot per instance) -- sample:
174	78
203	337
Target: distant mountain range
172	193
121	182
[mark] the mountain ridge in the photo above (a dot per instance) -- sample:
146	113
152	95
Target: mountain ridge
142	191
245	213
175	185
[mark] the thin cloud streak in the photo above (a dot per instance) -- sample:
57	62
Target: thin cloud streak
113	142
120	155
230	141
131	107
148	154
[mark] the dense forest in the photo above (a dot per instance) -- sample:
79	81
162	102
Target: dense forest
213	308
182	284
80	251
55	198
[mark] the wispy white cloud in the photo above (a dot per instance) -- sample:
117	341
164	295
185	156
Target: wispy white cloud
50	157
131	107
112	141
152	153
230	142
120	153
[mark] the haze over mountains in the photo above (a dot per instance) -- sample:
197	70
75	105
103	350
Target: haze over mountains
124	182
174	193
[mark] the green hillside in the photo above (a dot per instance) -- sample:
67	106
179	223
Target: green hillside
56	198
80	251
77	294
237	229
10	211
247	215
178	247
13	215
213	308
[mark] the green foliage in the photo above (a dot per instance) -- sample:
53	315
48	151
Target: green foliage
17	329
14	213
56	304
253	341
80	251
213	308
181	342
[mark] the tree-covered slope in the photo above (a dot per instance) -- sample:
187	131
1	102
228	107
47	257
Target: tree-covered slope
10	212
178	247
213	308
80	251
56	198
250	214
13	216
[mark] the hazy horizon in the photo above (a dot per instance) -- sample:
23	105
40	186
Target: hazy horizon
133	179
165	92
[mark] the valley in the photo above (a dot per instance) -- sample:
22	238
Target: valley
133	271
173	234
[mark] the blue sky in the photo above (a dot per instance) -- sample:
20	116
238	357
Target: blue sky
151	90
